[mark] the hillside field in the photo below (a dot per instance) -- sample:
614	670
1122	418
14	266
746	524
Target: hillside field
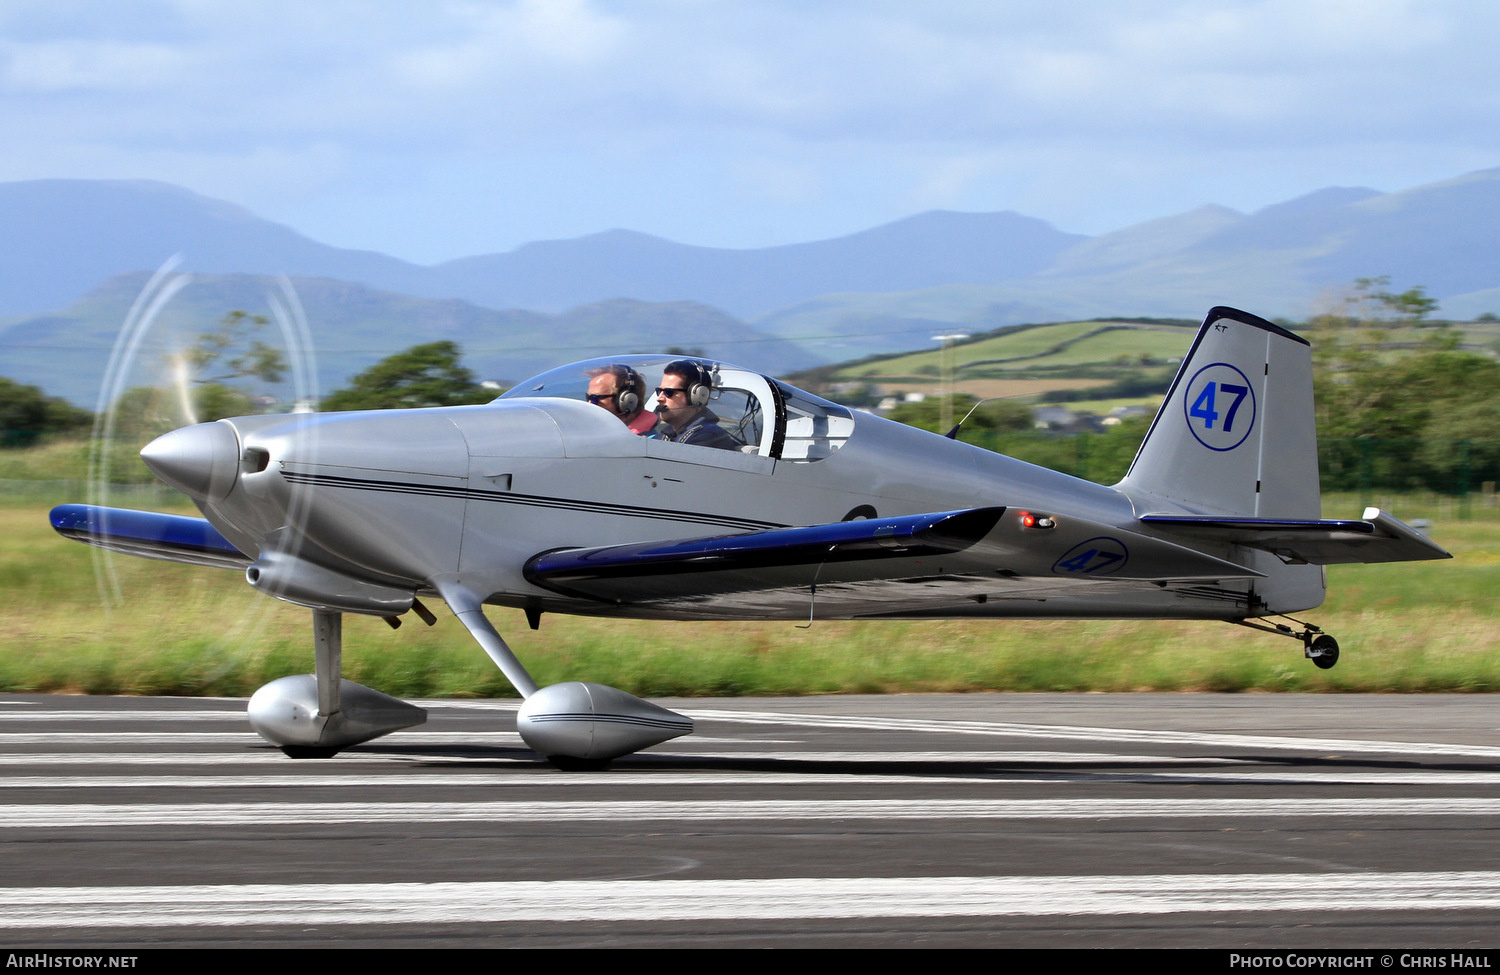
1029	361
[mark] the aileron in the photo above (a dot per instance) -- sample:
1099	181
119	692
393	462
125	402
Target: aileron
148	534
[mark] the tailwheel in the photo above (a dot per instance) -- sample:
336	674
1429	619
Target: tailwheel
1317	646
1323	651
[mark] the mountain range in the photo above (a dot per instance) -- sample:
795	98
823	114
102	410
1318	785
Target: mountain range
75	253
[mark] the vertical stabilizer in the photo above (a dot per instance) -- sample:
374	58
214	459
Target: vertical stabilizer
1236	433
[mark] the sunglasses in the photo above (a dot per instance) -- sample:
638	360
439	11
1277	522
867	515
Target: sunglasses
597	398
667	392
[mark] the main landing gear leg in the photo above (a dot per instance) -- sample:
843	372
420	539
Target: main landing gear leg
578	725
1317	646
328	659
316	715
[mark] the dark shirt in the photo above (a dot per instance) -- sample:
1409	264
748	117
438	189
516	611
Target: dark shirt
702	430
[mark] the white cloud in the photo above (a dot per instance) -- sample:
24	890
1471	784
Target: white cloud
88	66
808	117
503	41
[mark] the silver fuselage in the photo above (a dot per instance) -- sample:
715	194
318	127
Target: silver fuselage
399	498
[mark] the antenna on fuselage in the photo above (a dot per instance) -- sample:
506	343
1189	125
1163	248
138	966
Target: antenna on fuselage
953	434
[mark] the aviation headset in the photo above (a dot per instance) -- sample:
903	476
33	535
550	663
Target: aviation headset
628	389
700	380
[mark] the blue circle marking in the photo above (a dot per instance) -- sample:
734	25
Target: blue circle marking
1219	406
1098	556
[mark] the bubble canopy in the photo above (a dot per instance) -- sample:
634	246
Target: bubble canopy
763	416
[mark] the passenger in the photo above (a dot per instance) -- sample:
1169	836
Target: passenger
622	391
682	402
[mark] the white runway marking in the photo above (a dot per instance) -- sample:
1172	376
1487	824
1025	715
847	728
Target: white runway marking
1014	730
487	780
179	759
279	815
729	777
202	714
508	739
86	715
683	748
109	739
458	704
360	755
682	900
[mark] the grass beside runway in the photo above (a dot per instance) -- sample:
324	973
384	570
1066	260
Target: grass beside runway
180	630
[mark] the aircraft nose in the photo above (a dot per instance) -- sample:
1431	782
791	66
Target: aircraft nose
202	460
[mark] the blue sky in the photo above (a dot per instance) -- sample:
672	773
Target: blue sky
436	130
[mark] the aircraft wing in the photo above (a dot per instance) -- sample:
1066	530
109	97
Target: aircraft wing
1379	538
149	534
913	562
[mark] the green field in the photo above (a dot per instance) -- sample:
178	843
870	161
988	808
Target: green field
188	631
1037	350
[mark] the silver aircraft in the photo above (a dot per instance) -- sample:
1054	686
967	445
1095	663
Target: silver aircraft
548	503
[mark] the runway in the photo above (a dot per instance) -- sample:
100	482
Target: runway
1232	821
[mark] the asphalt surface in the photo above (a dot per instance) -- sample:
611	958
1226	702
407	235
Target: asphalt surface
1228	821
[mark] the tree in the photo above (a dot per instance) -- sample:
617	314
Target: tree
1367	385
254	358
27	414
1458	449
1410	306
423	375
1404	418
1367	305
233	357
224	372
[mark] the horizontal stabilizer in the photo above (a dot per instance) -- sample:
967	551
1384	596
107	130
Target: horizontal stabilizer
1379	538
149	534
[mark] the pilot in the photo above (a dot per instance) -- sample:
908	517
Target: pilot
682	403
622	391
